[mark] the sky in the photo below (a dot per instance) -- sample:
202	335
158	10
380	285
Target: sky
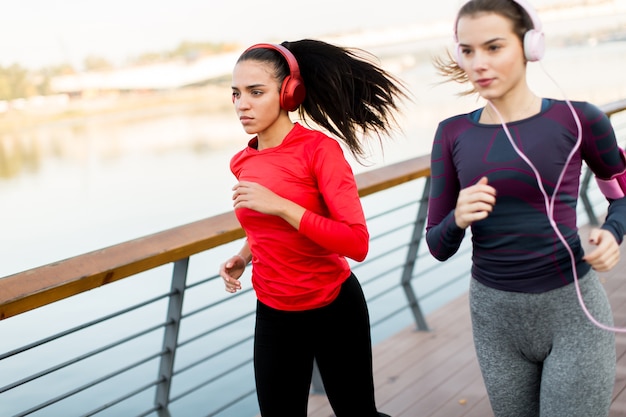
39	33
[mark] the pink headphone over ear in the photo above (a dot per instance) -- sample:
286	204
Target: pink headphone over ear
534	40
292	91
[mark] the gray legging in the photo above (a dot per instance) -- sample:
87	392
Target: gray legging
539	353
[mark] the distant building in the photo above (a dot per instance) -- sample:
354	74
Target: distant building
156	77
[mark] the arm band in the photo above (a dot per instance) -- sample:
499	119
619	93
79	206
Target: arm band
614	187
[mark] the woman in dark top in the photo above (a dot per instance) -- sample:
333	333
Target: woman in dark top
510	172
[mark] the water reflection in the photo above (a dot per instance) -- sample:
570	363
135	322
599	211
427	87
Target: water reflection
19	153
81	183
201	121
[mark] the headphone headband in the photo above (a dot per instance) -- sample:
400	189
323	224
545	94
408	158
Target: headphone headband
294	69
530	11
292	91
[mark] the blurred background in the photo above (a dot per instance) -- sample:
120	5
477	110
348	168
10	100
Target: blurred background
116	120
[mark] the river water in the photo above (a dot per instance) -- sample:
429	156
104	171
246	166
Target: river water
108	179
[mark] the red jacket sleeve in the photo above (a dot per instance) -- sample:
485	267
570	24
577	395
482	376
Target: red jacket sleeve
342	229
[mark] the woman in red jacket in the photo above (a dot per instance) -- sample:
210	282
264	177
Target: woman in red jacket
297	200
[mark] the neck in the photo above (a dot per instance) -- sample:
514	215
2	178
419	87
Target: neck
274	135
530	105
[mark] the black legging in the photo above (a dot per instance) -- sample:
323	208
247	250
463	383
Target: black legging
337	336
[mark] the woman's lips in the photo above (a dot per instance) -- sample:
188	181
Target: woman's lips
484	82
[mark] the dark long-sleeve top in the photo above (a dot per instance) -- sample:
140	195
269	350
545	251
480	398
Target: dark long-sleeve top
515	248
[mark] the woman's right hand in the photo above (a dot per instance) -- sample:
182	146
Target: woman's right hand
231	271
474	203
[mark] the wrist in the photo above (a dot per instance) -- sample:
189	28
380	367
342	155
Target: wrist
245	261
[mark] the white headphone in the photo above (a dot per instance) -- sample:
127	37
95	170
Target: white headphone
533	50
534	43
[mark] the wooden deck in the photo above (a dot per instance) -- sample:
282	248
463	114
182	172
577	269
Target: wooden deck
435	373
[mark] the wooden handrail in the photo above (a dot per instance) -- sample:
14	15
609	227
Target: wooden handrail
46	284
614	107
376	180
43	285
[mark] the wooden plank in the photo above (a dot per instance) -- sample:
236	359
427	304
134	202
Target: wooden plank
449	396
436	374
411	364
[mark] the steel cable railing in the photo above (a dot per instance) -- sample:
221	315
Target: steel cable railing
210	356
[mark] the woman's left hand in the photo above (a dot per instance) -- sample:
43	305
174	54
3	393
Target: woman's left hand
606	255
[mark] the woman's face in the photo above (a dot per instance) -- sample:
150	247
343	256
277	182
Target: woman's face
492	55
256	96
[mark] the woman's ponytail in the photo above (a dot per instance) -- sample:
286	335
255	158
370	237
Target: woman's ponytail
347	93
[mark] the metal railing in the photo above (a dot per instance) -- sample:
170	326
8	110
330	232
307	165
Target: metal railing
141	329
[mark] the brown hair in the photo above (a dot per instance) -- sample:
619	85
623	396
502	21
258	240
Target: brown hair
447	65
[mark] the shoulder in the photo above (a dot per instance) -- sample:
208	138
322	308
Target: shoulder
314	140
582	108
459	118
451	128
235	161
462	121
300	130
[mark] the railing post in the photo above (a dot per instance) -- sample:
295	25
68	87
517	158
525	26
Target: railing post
170	336
411	259
317	386
584	197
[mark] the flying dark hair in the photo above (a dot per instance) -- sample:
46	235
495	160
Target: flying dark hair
347	93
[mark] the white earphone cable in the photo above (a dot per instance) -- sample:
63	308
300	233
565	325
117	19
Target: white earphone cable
549	201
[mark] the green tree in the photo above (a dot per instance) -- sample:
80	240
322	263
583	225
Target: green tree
15	83
96	63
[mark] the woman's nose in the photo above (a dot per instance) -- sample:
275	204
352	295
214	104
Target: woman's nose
478	61
241	101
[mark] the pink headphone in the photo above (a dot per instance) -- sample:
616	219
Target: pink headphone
534	43
292	91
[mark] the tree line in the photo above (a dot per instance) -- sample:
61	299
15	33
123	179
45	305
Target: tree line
17	81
